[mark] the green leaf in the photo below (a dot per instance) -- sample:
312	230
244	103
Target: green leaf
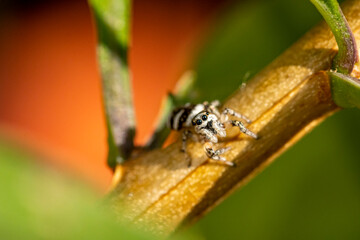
345	90
112	21
347	55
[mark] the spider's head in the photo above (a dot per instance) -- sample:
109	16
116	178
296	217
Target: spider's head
208	124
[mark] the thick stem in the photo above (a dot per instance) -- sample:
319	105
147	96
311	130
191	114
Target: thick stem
286	100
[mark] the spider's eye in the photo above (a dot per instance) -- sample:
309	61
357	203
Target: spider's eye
194	123
198	122
204	117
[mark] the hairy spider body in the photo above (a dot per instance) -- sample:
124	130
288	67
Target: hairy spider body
204	122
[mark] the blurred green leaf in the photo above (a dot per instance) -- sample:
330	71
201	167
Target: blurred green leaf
347	55
37	202
112	20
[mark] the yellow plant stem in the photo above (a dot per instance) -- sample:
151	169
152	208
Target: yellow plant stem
286	100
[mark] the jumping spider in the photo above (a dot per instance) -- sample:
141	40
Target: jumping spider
206	123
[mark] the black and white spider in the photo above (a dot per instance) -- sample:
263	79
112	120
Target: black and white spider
206	123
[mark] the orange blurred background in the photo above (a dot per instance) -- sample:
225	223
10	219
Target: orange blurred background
50	89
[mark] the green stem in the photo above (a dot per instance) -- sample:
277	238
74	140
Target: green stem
347	55
112	22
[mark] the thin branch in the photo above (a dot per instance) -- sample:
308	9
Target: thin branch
112	19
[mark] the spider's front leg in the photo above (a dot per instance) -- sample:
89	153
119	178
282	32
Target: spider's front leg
213	107
236	123
229	111
215	154
243	129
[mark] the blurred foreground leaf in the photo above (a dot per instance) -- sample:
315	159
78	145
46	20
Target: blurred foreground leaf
112	20
37	202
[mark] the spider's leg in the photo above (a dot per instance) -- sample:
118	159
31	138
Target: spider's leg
213	107
208	136
215	154
243	129
229	111
215	103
